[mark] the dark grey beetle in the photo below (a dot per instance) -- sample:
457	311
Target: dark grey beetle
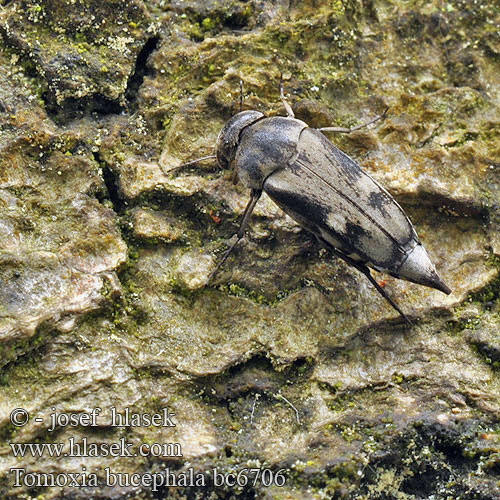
326	192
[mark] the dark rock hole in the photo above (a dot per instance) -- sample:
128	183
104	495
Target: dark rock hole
424	484
73	108
141	70
111	182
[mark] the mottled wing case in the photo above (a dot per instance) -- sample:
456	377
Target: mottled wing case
328	193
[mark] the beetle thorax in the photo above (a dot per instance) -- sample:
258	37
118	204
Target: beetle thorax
229	136
266	146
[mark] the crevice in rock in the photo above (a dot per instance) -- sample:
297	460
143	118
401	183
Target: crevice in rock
489	351
490	293
429	458
140	71
209	490
255	375
110	178
74	108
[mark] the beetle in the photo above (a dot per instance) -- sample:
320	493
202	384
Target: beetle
326	192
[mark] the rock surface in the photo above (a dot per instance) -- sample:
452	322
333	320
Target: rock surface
288	361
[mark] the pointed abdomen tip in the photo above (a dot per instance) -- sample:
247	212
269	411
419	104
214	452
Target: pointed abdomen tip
418	268
440	285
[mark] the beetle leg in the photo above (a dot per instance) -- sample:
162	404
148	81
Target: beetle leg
382	292
352	129
288	108
363	269
254	198
234	176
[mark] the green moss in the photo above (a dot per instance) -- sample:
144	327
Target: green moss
397	378
15	349
208	24
350	434
8	433
239	291
259	56
491	293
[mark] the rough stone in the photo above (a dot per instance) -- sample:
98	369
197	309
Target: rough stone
287	361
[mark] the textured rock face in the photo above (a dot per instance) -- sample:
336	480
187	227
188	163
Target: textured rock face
82	52
288	361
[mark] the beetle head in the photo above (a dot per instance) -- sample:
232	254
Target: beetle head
229	136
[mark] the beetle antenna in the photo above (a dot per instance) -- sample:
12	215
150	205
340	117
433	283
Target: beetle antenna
187	164
241	95
288	108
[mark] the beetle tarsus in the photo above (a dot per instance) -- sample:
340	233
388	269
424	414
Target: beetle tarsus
366	271
384	294
224	258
